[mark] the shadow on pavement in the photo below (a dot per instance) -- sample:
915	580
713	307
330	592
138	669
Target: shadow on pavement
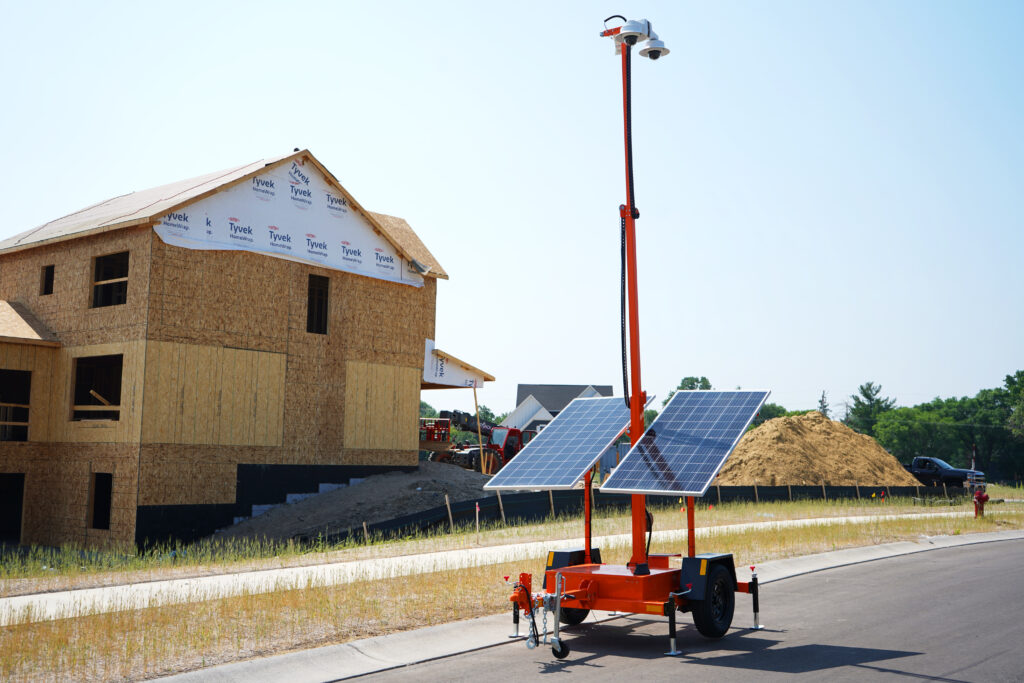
643	639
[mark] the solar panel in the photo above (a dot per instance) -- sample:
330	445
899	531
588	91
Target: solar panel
687	444
562	452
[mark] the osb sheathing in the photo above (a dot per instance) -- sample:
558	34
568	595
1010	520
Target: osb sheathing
67	311
40	361
236	310
200	394
127	428
246	301
57	482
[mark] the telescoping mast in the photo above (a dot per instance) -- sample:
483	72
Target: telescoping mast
679	455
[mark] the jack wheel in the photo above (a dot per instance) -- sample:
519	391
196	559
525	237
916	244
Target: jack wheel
571	616
713	615
560	650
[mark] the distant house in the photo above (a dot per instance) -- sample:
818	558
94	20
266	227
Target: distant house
538	404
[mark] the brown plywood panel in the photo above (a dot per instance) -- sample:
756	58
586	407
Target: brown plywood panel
381	406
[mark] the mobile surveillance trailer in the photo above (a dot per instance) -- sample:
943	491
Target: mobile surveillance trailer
679	455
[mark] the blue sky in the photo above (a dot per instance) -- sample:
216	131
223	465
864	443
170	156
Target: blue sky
830	193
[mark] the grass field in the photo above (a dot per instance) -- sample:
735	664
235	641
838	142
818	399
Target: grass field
47	569
143	643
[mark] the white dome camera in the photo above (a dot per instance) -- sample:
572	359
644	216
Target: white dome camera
654	49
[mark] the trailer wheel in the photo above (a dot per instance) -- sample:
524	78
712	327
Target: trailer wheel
571	616
713	615
560	650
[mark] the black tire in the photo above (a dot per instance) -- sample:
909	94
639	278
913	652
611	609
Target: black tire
572	616
713	615
561	650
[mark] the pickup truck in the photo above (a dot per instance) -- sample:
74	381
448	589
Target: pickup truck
936	472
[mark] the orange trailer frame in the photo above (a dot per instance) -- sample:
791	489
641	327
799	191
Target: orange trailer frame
646	584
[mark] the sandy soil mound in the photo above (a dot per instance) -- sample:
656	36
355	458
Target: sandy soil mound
808	449
376	499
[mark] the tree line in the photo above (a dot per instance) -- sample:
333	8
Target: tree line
987	427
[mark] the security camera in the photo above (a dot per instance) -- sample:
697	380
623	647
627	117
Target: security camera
654	49
634	31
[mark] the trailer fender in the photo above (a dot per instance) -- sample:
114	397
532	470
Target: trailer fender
696	570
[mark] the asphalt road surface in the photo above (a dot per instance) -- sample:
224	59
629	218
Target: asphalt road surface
955	614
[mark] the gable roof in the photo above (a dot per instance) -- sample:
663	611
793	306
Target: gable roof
18	325
147	206
529	411
555	397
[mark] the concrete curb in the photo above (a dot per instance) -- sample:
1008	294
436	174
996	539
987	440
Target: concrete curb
373	655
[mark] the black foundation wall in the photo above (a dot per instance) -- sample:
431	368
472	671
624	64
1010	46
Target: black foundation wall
255	485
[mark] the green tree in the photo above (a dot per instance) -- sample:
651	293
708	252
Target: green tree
688	384
649	416
487	415
1014	385
868	406
427	410
769	411
823	404
929	429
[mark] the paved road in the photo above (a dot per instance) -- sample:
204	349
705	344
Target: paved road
947	615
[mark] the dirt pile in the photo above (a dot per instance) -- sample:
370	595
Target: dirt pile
808	450
375	499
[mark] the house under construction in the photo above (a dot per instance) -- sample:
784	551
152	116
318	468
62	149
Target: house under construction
172	356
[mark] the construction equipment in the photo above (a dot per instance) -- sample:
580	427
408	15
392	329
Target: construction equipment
680	453
500	446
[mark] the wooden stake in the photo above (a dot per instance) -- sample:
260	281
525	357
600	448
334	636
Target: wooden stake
824	496
451	520
366	532
551	497
478	523
501	506
756	498
857	485
718	489
479	433
789	487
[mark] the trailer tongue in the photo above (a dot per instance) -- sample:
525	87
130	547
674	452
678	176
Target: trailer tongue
679	455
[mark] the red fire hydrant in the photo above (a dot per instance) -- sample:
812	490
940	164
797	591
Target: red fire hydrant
980	498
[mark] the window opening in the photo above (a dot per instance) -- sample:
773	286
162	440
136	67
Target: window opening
15	389
110	280
46	285
102	490
316	310
97	394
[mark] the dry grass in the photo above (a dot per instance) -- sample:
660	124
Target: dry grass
144	643
43	570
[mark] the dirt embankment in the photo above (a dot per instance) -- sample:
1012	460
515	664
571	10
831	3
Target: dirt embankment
376	499
808	450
